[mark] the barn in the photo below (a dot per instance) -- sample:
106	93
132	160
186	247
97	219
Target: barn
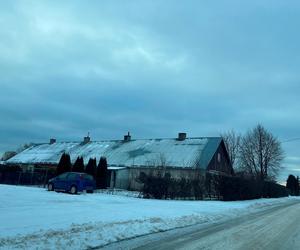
181	156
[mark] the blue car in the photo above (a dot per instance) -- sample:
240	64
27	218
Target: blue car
72	182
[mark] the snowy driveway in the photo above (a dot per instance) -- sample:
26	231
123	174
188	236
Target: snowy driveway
35	218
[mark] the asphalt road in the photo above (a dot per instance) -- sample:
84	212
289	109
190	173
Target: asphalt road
275	228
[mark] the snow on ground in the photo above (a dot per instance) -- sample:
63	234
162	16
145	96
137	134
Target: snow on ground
35	218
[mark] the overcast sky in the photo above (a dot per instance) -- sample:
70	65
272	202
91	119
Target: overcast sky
154	68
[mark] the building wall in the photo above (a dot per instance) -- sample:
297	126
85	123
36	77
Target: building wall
34	167
220	161
119	178
177	173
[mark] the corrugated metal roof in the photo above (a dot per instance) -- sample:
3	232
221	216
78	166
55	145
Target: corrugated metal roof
189	153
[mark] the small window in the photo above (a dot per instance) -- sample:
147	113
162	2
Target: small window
219	157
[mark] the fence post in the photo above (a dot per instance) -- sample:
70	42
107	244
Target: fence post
31	178
20	173
45	180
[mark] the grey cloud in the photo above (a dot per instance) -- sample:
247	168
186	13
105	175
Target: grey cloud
153	68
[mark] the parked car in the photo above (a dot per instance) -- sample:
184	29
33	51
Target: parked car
72	182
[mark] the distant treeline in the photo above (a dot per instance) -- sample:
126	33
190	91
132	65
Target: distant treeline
292	185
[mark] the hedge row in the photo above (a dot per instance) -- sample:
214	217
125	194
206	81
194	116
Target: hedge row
165	187
224	187
236	188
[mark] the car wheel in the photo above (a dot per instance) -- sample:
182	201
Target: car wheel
50	187
73	190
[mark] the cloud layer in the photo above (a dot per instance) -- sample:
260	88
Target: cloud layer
152	68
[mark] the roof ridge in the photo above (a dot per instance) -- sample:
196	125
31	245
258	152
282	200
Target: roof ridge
138	139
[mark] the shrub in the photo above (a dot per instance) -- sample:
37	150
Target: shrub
226	188
91	167
292	185
64	164
102	173
161	186
78	165
236	188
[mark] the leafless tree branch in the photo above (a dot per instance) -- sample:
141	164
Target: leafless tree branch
261	153
232	142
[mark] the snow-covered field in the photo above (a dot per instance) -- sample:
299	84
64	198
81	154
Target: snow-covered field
35	218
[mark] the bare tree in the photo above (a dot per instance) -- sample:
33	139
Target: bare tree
25	146
232	142
158	161
261	153
7	155
162	160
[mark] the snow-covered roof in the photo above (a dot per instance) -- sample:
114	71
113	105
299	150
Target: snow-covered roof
190	153
115	168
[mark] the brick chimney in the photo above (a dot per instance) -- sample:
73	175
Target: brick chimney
52	140
86	139
181	136
127	137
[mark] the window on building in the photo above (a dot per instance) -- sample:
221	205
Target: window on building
219	157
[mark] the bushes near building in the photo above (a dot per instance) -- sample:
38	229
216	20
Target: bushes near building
91	167
13	174
64	164
292	184
236	188
163	186
218	186
78	165
102	173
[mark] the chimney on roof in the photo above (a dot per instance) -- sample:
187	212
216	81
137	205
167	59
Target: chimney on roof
127	137
87	139
181	136
52	140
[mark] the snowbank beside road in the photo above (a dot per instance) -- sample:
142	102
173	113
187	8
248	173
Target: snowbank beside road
35	218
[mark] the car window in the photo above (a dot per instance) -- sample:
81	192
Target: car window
72	176
88	177
63	176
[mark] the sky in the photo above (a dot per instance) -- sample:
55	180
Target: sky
154	68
